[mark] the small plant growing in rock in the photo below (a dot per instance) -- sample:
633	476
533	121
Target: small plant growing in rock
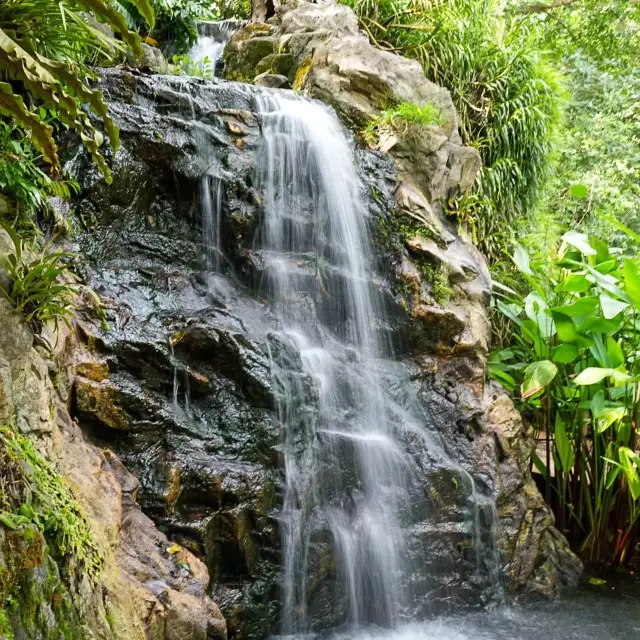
42	519
404	119
183	65
37	286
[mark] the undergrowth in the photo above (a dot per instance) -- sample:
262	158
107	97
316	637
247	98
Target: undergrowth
47	545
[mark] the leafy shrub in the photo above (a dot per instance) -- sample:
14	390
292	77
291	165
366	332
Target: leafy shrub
176	26
37	287
24	182
507	96
184	65
575	360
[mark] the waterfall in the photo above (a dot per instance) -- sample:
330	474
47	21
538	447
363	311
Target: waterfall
211	206
316	250
208	49
350	478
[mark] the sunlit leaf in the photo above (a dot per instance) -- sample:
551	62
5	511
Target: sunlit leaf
580	241
565	353
579	191
593	375
537	376
610	306
521	260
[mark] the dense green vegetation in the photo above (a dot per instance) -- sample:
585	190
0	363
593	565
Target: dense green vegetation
549	94
574	360
41	521
507	95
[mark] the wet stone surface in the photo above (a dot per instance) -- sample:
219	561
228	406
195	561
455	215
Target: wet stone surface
190	400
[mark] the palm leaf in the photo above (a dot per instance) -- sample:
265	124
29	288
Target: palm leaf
13	106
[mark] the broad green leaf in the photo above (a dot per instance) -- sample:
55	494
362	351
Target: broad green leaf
599	351
536	309
597	404
608	416
579	191
537	376
611	307
615	353
521	260
607	267
563	445
512	311
606	281
565	353
565	327
574	283
603	253
581	307
632	281
593	375
539	465
597	324
580	241
597	581
629	464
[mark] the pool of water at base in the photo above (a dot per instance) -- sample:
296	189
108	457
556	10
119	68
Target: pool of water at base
589	613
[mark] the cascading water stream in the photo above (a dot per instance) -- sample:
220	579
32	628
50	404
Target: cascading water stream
349	478
208	49
306	163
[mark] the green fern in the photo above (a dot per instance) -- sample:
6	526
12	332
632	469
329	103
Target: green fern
44	48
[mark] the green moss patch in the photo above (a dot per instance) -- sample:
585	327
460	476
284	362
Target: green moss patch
46	544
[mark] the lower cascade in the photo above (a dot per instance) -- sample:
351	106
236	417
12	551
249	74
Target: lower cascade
353	501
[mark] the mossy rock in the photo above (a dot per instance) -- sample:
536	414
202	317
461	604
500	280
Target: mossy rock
301	74
278	63
242	57
251	30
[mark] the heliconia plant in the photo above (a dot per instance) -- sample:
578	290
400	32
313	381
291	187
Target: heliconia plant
574	368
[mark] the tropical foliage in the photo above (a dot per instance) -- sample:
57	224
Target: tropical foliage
574	362
176	22
45	46
40	286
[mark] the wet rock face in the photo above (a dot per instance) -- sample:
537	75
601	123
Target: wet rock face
146	586
181	386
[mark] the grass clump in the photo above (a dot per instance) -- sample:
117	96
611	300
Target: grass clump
37	286
405	118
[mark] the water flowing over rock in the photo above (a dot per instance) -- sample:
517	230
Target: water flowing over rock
292	384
